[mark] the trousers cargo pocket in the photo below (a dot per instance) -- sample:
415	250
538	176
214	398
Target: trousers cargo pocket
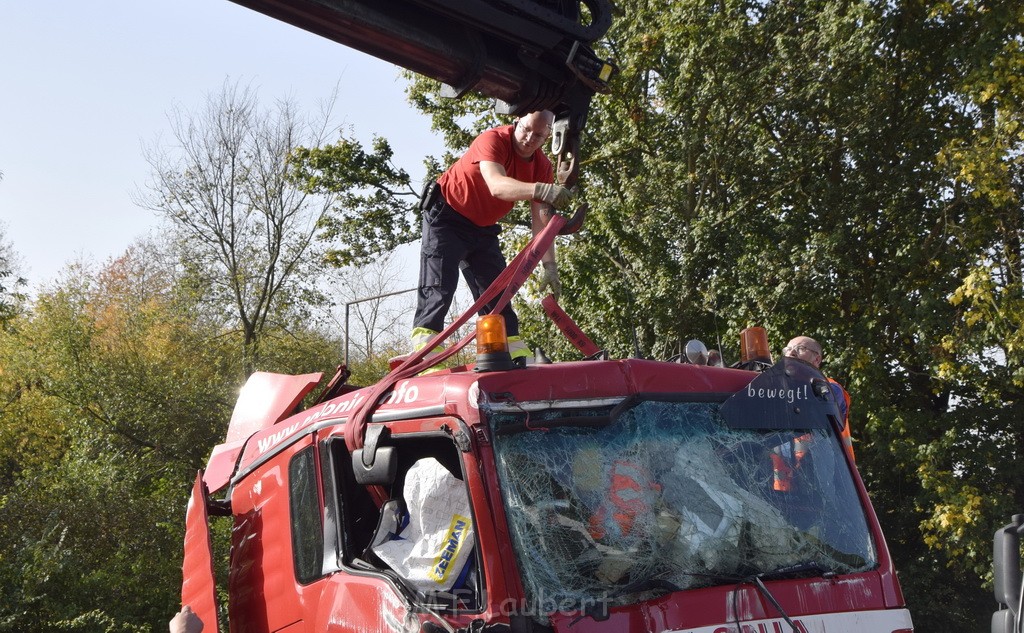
431	271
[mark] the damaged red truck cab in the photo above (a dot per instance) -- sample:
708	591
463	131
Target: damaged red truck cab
602	495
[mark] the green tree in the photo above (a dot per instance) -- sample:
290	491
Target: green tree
845	169
376	208
108	392
116	386
969	488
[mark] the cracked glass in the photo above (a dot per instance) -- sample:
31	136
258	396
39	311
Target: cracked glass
611	506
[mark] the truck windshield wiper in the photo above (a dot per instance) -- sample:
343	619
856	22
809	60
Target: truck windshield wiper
806	569
759	584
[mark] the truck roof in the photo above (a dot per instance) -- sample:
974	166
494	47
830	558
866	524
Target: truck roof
459	392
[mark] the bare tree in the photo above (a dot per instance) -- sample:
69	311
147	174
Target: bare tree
380	324
245	228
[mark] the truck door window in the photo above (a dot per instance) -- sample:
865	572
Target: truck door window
357	511
367	528
430	540
307	532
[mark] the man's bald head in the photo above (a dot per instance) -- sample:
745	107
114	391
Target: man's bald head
531	131
805	348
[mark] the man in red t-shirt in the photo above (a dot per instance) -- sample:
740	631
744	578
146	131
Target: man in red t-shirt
502	166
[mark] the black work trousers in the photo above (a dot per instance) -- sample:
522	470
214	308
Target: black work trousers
450	243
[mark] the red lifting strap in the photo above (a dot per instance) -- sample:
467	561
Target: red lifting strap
568	327
510	279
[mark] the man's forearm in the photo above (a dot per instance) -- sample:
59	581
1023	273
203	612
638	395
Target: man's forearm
509	189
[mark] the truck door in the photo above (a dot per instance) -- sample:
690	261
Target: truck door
198	587
277	545
369	594
350	600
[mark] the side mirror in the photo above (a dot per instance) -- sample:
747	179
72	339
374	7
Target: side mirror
1007	574
373	464
381	471
696	352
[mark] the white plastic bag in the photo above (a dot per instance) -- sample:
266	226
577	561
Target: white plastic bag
432	552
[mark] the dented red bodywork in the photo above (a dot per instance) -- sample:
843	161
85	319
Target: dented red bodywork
264	401
198	588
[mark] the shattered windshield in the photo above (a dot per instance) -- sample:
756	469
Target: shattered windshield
605	507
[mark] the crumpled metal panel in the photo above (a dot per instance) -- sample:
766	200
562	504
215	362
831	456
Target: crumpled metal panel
265	400
198	583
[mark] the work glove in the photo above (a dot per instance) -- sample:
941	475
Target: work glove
549	279
555	195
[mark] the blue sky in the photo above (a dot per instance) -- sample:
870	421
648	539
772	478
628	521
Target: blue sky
83	85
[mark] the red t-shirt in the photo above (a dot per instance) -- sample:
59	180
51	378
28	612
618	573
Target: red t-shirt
463	185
